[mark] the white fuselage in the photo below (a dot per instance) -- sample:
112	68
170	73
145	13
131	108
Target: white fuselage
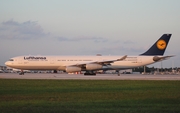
61	62
91	63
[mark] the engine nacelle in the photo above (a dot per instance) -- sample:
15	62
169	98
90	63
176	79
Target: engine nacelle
93	66
70	69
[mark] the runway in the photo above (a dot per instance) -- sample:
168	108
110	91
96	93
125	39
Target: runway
82	77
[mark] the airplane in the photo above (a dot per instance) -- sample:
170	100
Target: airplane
90	64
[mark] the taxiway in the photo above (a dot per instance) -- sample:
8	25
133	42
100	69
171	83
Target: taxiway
82	77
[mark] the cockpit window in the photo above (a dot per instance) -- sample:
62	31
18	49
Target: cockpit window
11	60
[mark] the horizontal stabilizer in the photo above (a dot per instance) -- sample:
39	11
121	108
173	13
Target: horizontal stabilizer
157	58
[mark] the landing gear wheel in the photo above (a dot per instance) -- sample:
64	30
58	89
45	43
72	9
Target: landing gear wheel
55	71
118	72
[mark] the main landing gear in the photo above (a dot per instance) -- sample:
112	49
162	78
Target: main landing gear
117	71
55	71
89	73
21	73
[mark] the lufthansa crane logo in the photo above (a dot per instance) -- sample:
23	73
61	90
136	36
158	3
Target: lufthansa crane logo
161	44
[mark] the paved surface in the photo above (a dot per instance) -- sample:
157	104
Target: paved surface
82	77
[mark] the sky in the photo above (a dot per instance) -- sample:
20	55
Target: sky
88	27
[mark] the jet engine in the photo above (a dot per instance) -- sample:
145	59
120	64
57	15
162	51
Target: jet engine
72	69
93	66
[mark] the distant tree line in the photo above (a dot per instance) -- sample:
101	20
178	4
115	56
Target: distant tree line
152	69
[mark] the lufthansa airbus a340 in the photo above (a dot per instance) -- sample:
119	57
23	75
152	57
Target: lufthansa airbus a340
90	64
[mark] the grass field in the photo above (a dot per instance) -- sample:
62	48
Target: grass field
89	96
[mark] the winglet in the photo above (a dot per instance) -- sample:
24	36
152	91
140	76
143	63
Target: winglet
159	46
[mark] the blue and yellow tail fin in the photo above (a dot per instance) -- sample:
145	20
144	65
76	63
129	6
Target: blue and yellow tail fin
159	47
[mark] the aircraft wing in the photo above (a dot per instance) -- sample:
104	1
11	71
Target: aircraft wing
104	62
111	61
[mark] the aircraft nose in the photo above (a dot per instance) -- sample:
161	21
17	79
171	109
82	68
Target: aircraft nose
7	63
